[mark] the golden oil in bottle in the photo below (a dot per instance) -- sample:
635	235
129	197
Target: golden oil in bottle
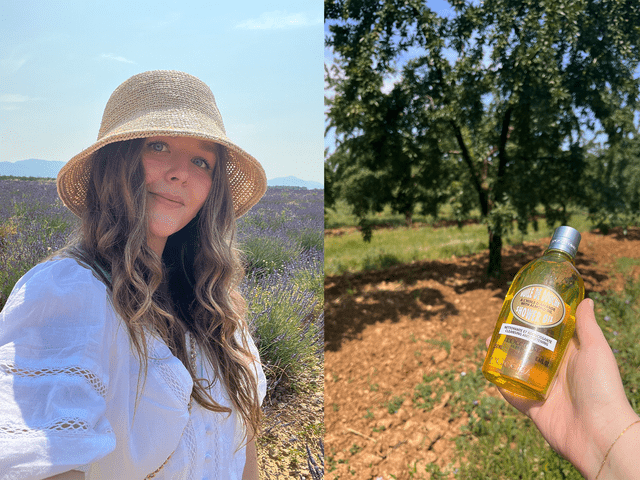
537	320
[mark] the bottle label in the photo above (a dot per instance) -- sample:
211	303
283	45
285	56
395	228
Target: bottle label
538	306
529	335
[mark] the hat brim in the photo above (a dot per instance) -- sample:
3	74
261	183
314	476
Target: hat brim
247	178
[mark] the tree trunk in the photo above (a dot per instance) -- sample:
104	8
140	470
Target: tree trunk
495	254
408	218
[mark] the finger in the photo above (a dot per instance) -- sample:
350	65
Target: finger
587	329
488	342
524	405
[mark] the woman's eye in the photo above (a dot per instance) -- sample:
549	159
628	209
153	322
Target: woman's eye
201	162
157	146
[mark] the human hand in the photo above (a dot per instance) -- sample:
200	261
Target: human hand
586	408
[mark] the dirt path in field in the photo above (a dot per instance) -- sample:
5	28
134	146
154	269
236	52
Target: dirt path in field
381	336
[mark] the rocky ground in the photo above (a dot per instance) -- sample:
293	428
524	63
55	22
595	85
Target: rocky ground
384	330
292	423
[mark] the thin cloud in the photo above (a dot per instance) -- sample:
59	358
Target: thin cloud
279	20
111	56
171	19
13	98
12	64
12	101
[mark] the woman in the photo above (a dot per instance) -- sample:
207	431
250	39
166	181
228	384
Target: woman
127	355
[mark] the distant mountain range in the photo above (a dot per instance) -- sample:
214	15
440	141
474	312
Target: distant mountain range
31	168
49	169
293	182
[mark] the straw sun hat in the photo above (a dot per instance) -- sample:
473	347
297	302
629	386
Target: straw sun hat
164	103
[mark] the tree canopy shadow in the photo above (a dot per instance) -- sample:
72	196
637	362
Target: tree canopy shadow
356	300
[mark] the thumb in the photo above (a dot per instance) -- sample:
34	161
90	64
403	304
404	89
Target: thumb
587	329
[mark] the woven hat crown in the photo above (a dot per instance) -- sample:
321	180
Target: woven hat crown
164	103
169	100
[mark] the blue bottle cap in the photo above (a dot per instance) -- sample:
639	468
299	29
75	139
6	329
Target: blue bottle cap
566	239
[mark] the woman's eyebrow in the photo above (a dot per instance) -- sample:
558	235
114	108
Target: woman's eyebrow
208	146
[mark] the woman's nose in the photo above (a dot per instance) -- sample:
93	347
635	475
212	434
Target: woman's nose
178	168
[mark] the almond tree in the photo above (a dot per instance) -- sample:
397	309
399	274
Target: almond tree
490	105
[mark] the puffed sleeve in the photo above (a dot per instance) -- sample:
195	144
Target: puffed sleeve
54	372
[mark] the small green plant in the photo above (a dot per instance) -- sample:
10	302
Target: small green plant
426	395
355	448
413	470
373	387
331	463
394	404
435	472
442	343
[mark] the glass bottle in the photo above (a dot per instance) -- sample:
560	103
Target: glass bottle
537	320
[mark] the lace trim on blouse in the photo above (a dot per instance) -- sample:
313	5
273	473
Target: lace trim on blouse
192	448
70	426
87	375
62	425
169	376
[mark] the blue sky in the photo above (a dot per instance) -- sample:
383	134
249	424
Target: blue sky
60	61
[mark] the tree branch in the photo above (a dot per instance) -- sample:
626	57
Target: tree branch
466	156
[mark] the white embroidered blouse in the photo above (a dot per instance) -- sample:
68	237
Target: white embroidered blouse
68	384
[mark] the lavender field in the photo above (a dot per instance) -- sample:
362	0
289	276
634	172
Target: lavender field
282	237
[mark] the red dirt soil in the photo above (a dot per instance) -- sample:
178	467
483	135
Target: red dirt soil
373	324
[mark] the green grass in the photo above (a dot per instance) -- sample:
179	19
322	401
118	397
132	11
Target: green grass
442	343
349	253
618	315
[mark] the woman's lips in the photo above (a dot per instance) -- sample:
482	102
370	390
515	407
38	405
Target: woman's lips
168	199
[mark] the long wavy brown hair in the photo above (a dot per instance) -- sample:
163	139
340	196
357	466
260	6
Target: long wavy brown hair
192	288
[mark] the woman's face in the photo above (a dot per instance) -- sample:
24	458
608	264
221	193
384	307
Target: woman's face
178	175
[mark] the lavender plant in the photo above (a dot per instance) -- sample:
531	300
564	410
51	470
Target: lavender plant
286	318
33	223
282	238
